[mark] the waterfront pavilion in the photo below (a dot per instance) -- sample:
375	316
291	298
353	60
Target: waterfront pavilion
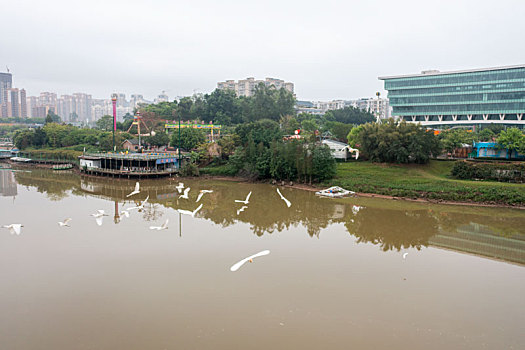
129	164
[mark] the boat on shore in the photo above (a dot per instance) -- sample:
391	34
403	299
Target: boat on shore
334	192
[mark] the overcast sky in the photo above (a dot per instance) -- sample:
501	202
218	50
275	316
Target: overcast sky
328	49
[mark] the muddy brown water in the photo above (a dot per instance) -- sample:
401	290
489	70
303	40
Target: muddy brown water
335	277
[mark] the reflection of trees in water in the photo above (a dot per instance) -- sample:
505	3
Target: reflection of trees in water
266	212
55	184
151	212
501	225
393	229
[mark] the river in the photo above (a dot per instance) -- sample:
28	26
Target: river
337	276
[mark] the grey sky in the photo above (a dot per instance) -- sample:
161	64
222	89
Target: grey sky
329	49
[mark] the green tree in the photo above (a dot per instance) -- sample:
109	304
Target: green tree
323	164
455	138
350	115
397	142
190	138
486	134
512	139
158	139
353	135
23	138
105	123
184	108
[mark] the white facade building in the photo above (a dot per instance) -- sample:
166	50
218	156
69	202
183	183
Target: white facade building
246	87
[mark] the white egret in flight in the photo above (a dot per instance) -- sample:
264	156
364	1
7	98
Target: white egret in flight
141	206
99	216
137	190
14	228
64	223
238	265
356	208
180	187
158	228
185	195
288	203
191	213
201	193
246	201
405	255
241	209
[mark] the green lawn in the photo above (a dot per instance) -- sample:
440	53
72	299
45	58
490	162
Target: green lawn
430	181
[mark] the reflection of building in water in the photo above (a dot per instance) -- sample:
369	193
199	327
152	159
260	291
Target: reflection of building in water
119	189
339	211
481	240
7	183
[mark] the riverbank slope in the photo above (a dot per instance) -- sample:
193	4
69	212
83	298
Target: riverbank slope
430	181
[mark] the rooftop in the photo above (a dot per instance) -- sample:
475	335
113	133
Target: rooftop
436	72
130	156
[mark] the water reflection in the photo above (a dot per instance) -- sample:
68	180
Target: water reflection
7	183
391	225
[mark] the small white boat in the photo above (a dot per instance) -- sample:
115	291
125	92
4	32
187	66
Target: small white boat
334	192
20	159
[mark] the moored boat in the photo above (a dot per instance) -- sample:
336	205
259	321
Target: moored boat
334	192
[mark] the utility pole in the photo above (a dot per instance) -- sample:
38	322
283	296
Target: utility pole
179	144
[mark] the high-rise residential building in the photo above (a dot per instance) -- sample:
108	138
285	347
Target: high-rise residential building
23	104
32	102
41	111
6	83
246	87
379	107
65	107
82	106
466	97
329	105
162	97
48	99
14	103
136	99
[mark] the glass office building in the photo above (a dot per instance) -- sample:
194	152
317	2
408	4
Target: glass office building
468	97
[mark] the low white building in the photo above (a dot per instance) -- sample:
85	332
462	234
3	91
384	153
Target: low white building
339	150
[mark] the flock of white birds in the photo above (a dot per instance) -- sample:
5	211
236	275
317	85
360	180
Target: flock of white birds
16	229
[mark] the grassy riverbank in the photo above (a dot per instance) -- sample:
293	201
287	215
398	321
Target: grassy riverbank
430	181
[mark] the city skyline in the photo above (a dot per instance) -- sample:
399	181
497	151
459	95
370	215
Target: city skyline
334	50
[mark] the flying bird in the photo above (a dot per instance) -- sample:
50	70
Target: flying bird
180	187
352	150
137	190
141	206
64	223
356	208
14	228
158	228
99	213
99	216
185	195
242	209
288	203
191	213
238	265
405	255
201	193
246	201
